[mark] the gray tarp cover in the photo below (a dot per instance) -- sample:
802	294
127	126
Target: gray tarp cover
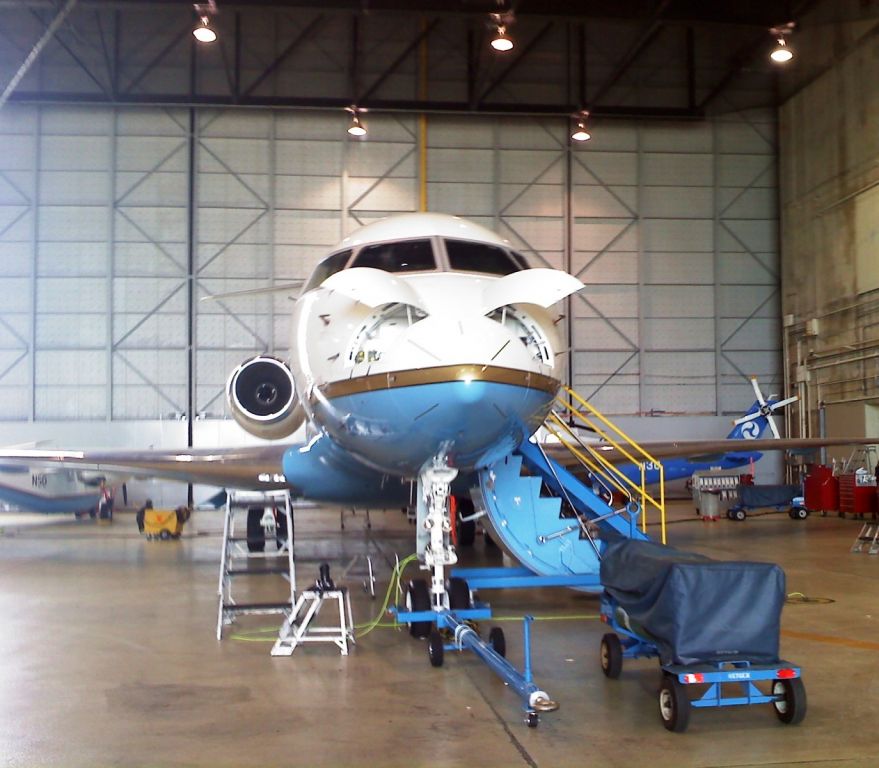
696	609
768	495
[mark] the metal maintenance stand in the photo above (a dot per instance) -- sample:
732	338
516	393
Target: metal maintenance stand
297	628
236	558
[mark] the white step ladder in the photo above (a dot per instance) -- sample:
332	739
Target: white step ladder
236	556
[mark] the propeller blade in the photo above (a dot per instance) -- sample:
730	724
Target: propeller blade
782	403
749	417
773	427
757	391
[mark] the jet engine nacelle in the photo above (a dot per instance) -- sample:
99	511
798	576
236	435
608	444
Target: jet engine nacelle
262	398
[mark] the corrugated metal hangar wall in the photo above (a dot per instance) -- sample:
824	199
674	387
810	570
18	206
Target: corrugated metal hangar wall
672	226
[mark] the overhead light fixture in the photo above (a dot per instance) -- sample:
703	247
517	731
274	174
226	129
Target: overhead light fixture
203	31
581	133
782	52
501	42
357	128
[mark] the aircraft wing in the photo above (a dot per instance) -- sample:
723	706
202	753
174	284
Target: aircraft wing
708	449
250	467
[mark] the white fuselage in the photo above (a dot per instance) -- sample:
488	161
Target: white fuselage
400	367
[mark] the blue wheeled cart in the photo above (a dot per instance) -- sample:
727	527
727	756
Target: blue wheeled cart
723	684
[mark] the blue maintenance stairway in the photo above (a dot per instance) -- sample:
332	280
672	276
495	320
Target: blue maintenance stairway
550	520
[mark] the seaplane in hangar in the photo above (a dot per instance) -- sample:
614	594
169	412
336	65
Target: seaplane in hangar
424	357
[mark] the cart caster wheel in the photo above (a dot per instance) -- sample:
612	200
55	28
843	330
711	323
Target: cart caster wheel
611	655
497	641
532	719
729	514
791	704
165	535
674	705
739	514
435	648
418	599
801	513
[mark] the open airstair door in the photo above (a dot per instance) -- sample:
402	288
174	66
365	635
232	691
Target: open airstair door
553	523
547	519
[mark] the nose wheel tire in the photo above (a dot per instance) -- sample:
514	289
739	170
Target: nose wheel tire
674	705
418	599
256	535
791	704
611	655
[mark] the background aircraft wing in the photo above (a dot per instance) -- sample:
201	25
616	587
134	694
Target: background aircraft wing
248	467
707	449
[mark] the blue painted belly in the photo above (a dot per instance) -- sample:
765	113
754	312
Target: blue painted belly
398	430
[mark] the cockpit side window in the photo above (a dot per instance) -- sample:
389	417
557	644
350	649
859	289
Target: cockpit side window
329	266
402	256
467	256
520	260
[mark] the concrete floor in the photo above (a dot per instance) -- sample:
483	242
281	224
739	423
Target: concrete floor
108	658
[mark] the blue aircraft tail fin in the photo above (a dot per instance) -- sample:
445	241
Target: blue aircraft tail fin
751	430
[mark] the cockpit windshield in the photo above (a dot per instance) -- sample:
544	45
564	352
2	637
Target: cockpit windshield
468	256
402	256
329	266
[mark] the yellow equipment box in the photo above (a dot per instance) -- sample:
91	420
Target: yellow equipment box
164	523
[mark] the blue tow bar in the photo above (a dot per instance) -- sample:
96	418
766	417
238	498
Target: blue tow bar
534	700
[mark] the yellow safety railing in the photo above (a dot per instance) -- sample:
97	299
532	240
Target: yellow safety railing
580	412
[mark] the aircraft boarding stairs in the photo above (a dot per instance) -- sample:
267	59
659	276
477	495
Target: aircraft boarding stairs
554	519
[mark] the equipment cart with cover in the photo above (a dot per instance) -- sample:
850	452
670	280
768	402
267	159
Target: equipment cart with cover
711	624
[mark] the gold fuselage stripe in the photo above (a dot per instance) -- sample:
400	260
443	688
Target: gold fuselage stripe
440	375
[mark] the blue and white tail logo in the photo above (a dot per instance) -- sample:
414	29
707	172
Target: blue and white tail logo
759	416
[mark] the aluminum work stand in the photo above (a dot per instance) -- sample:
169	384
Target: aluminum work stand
237	559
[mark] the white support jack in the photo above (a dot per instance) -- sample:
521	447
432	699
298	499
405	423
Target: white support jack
240	551
297	628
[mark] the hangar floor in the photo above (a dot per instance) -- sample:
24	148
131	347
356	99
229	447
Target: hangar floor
108	657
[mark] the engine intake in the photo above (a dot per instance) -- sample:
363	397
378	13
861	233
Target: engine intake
262	398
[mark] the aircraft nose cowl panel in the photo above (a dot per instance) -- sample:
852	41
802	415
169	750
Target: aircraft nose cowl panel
543	287
373	287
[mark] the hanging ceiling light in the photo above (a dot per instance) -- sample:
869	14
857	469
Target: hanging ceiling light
500	41
782	52
357	128
203	31
581	133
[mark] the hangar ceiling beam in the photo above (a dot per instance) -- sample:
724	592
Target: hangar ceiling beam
361	98
303	35
647	36
35	51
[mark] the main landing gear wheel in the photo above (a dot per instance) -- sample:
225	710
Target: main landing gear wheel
498	642
459	594
418	599
674	704
791	706
256	535
611	655
435	648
